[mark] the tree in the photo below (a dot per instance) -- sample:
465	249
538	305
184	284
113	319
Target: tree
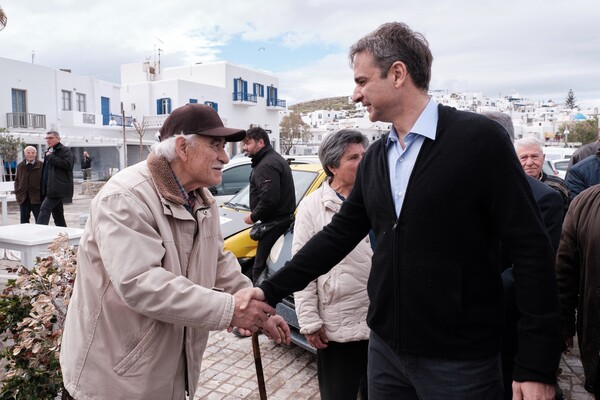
570	100
292	131
9	150
582	131
140	130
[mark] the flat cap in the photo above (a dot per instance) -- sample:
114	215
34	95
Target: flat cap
198	119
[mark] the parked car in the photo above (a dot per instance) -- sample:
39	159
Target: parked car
237	171
548	168
307	178
561	166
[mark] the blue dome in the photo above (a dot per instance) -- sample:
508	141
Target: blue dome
578	117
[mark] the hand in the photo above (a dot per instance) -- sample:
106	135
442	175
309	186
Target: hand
532	391
248	220
250	315
568	343
318	339
243	297
277	330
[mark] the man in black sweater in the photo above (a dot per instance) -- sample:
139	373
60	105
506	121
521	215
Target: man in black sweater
440	190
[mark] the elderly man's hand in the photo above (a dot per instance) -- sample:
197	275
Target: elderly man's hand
244	296
277	330
249	313
532	391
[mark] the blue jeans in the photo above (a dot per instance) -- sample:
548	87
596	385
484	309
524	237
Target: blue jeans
407	376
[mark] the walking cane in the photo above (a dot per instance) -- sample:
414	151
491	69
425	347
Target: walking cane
262	390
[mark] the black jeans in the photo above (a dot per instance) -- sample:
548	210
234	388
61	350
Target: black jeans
342	370
26	209
54	206
264	247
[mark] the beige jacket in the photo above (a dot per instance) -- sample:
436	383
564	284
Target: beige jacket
337	300
143	303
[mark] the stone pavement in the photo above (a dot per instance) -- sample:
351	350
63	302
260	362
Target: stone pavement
290	372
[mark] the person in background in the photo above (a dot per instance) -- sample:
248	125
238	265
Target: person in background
584	174
584	152
578	274
435	291
153	279
27	185
57	180
531	154
272	195
332	310
86	166
551	206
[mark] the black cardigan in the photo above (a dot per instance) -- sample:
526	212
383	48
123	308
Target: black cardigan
435	286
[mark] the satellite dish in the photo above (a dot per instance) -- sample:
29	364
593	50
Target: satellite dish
3	19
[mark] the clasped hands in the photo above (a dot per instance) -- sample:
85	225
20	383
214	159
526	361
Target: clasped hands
251	313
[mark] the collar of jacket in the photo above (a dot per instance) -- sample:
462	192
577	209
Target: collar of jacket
261	153
167	187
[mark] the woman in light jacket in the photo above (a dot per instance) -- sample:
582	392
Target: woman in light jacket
332	310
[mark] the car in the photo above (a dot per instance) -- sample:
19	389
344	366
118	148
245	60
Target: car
236	174
561	166
548	168
236	233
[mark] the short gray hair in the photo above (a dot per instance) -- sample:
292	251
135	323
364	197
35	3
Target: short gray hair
528	142
504	120
333	147
166	148
29	148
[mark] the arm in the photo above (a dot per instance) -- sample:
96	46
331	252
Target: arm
575	181
551	206
62	159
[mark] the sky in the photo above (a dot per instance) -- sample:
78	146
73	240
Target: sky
538	49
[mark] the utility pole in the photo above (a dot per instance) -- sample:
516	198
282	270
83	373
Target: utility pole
124	137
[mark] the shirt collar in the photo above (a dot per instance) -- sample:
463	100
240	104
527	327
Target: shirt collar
190	198
426	124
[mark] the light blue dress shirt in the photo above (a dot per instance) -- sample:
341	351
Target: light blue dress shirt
402	161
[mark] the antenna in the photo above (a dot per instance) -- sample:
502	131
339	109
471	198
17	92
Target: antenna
159	50
32	56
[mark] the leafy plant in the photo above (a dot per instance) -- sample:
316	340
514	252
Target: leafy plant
33	308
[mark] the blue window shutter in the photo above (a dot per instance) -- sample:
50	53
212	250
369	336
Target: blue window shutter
193	101
245	86
168	106
159	107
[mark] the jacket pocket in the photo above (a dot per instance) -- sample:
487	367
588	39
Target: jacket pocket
139	353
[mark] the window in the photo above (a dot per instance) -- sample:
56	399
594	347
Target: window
163	106
240	89
193	101
259	90
272	97
212	104
81	102
66	100
19	104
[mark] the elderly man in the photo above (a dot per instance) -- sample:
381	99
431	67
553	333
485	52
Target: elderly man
531	155
27	185
436	302
153	278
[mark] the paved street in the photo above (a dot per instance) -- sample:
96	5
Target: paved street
290	372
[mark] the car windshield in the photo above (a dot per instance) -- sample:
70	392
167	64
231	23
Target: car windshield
302	182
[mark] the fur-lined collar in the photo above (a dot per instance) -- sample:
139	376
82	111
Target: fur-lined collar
165	183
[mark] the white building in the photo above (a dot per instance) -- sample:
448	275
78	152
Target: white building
88	113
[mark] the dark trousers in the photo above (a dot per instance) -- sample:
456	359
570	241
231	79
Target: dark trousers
26	209
54	206
408	376
87	173
342	370
264	247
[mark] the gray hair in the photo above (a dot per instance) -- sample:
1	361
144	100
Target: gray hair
504	120
528	142
166	148
53	133
395	41
29	148
333	147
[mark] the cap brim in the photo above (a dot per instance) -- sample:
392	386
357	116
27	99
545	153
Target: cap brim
230	134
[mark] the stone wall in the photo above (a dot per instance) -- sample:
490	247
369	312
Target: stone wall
91	188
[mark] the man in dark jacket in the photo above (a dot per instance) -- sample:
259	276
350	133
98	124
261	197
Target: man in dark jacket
86	166
439	190
272	195
584	174
57	180
578	272
27	184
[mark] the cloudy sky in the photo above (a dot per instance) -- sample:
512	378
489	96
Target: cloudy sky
539	49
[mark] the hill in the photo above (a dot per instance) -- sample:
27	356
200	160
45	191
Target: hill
330	103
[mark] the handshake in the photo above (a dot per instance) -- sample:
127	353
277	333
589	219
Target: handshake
251	313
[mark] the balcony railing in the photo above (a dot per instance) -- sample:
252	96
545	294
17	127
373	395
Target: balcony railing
275	103
244	96
116	120
25	120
